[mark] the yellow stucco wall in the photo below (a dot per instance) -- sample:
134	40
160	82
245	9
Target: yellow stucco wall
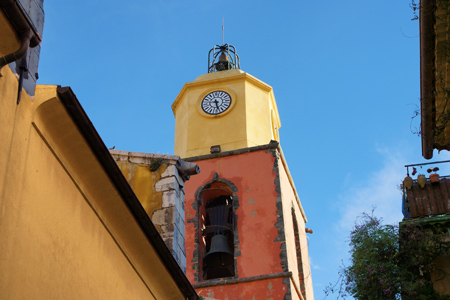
9	40
65	231
143	181
250	121
159	186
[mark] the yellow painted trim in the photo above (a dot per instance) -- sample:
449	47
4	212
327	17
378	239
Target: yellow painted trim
275	108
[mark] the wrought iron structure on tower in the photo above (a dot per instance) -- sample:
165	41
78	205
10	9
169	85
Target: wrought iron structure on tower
228	58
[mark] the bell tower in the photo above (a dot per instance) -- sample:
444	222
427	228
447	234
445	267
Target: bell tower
244	224
225	107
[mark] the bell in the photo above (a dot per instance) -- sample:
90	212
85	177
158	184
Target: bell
219	254
223	63
223	57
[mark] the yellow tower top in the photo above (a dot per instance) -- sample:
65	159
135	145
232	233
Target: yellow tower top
229	108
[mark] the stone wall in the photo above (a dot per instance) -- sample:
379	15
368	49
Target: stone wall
158	182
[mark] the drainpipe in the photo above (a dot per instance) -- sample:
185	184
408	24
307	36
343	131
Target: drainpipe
20	53
23	68
28	35
186	169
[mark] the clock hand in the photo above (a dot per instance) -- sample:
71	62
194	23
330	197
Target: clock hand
216	102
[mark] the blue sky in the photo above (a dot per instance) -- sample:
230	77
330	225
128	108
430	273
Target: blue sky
345	76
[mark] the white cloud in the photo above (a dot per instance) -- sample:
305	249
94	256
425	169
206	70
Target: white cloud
379	189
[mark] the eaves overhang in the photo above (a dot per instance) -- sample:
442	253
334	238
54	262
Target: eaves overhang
427	76
434	65
20	20
26	33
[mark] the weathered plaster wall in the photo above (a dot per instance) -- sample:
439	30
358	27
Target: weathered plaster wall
303	278
255	290
161	193
65	232
260	226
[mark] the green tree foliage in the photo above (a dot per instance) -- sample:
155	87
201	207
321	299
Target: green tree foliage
382	268
420	245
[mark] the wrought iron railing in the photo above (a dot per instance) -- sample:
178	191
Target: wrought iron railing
425	197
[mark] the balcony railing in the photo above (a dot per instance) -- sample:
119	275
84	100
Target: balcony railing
425	199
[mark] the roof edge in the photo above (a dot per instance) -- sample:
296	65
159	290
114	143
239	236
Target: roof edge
427	76
101	152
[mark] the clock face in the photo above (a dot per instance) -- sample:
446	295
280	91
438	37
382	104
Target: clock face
216	102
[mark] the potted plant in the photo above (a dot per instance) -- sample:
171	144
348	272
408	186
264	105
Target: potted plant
421	179
433	177
408	182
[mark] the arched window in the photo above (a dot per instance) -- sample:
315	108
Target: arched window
216	220
298	251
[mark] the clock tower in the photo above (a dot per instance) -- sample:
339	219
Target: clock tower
244	223
229	108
